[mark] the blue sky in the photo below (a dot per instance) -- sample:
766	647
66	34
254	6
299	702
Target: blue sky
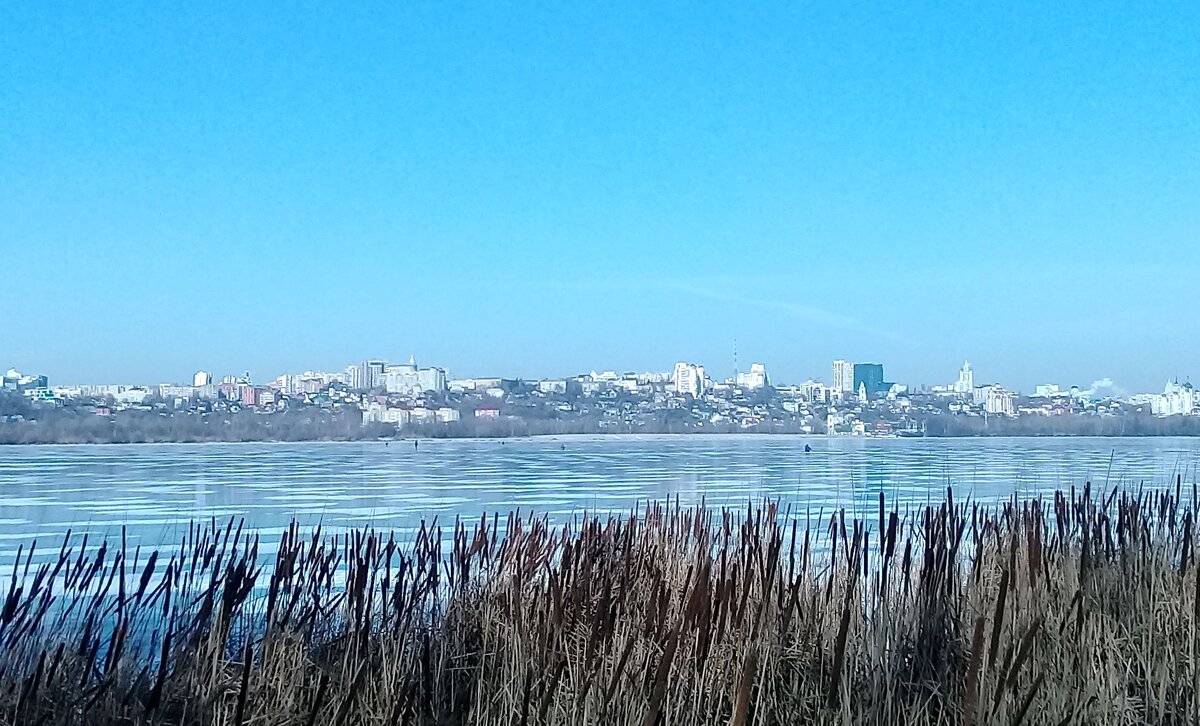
536	190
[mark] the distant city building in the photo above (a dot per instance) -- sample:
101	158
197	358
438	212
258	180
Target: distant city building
372	373
627	383
552	386
410	380
997	400
249	396
1177	399
756	378
131	395
13	380
353	377
171	390
378	413
1047	390
869	376
39	393
306	382
689	379
479	384
421	416
843	377
993	398
980	393
965	385
814	391
431	379
202	378
399	378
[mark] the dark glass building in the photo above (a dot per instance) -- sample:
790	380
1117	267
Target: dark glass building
871	376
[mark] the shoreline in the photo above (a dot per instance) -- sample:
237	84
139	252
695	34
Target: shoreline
710	435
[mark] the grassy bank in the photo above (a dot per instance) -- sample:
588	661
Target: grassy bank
1078	609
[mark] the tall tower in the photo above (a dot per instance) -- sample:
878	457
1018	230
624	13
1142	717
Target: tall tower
843	377
966	379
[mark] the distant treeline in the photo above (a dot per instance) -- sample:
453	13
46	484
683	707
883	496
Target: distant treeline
23	423
1130	424
504	428
127	427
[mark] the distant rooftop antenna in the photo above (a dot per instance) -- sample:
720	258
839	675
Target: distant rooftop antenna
735	361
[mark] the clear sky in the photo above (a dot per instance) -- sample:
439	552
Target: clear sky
536	189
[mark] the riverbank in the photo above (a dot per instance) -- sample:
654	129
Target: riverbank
1080	608
13	440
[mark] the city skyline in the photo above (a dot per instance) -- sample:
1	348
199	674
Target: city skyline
518	189
841	375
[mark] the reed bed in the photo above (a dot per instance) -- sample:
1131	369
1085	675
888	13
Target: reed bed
1076	609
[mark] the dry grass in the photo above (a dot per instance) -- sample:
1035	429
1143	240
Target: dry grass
1081	609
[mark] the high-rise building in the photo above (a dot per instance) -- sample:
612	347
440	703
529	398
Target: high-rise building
354	377
689	379
249	396
372	373
869	376
843	377
202	378
997	400
756	378
1175	400
965	384
431	379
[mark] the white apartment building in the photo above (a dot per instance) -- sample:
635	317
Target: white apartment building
690	378
756	378
843	377
1177	399
132	395
173	390
995	400
409	380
